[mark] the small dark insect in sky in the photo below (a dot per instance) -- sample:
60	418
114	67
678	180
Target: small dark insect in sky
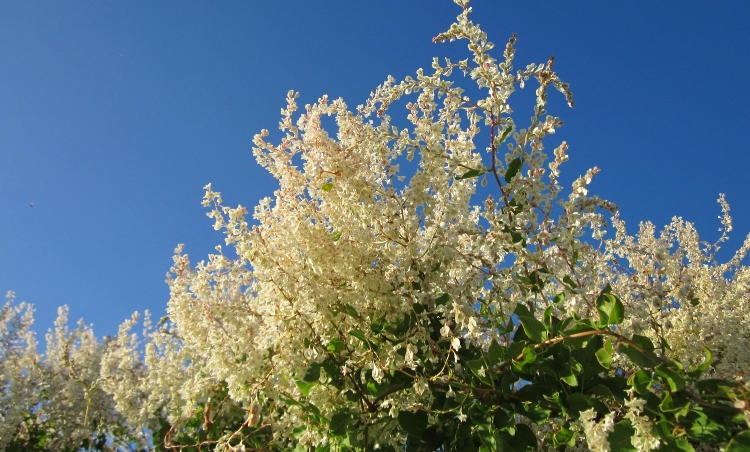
31	204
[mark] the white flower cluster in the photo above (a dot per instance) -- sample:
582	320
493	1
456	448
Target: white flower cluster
344	243
681	295
597	432
643	440
17	367
59	390
378	223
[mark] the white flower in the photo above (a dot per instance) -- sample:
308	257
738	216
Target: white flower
410	350
377	373
597	432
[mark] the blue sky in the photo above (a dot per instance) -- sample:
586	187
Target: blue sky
114	115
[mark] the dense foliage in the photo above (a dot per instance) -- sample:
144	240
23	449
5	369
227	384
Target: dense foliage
408	288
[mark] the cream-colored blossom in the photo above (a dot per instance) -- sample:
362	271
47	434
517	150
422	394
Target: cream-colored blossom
373	222
597	432
61	389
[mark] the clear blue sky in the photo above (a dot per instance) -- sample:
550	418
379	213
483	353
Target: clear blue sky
115	114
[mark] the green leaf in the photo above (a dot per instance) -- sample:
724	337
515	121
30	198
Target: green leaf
536	413
352	312
554	398
469	174
715	387
327	186
401	327
547	316
378	325
705	430
522	310
582	341
619	437
708	359
740	443
504	418
528	357
487	436
569	281
513	168
641	381
677	403
442	299
669	443
336	345
534	281
476	367
563	437
604	357
604	354
313	374
352	439
601	390
533	328
336	236
304	387
610	308
315	412
671	376
546	370
495	353
524	440
505	134
584	361
414	424
618	387
515	349
361	336
339	422
570	379
578	402
637	356
400	378
643	342
298	431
